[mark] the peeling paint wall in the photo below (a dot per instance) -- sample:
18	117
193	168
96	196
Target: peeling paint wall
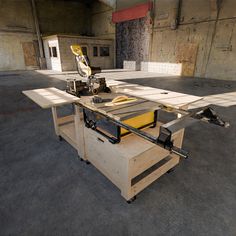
132	41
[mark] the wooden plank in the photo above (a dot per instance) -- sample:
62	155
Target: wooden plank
29	54
50	97
186	54
65	119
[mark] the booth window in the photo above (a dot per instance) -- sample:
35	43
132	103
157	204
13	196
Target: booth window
85	51
50	53
104	52
95	51
53	51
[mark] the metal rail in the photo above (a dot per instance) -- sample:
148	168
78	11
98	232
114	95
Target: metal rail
164	139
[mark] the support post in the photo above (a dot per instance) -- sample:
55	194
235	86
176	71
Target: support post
40	42
55	120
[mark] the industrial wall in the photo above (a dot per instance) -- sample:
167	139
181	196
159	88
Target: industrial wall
101	17
121	4
63	16
204	41
16	27
18	47
200	34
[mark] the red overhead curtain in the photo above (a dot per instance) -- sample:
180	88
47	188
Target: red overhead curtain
132	13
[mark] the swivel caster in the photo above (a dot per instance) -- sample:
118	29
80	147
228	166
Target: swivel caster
170	170
60	138
87	162
82	160
131	200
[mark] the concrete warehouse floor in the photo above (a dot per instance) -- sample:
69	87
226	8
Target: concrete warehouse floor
46	190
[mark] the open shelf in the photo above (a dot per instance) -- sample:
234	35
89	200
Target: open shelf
67	131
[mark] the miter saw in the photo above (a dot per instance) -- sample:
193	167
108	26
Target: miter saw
90	84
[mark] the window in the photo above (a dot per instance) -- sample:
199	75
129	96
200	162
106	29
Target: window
95	51
84	50
50	52
53	51
104	52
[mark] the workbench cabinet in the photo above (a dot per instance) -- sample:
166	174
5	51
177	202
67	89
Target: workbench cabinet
132	164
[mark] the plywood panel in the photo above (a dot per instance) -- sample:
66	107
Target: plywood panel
187	55
29	54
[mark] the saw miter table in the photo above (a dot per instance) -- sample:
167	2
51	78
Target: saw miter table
127	141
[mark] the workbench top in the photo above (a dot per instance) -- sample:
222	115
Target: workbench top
147	98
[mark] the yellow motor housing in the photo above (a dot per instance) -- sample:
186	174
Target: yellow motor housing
139	121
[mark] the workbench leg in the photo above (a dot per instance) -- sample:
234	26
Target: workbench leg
180	140
79	132
126	187
55	120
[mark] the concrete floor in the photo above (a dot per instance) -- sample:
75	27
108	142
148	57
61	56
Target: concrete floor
46	190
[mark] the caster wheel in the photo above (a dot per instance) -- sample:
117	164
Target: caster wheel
81	159
87	162
170	170
60	138
131	200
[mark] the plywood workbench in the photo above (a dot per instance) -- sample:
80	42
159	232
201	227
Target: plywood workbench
132	164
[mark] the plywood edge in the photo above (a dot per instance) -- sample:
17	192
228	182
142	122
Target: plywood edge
142	184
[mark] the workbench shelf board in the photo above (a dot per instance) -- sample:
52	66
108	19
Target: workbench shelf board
67	132
65	119
121	163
